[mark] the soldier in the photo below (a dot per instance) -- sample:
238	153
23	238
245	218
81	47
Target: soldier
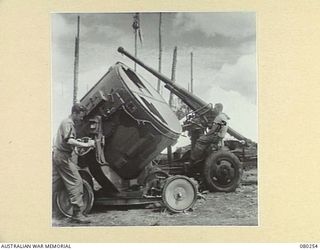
64	168
214	136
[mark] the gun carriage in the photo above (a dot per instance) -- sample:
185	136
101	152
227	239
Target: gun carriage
220	168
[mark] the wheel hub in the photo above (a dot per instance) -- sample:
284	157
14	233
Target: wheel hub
225	171
179	193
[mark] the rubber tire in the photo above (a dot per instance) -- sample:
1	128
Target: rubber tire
207	171
88	197
169	181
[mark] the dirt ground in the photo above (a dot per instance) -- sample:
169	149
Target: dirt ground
238	208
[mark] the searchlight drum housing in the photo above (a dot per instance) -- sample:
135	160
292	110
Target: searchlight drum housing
137	123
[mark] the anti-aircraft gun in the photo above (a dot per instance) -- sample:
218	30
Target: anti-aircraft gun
218	170
132	124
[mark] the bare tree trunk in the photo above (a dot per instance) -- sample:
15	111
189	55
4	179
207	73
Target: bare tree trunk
160	49
76	64
136	28
173	78
191	82
135	47
173	73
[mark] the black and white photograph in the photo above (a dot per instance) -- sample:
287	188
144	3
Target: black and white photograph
154	119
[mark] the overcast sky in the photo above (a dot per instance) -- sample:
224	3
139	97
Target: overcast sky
223	45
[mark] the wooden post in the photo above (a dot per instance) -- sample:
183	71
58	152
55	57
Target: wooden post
76	64
160	49
173	73
136	27
173	78
191	82
135	47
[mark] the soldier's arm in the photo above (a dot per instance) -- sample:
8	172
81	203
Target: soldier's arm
77	143
215	127
69	135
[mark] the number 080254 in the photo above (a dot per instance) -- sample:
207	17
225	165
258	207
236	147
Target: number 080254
305	245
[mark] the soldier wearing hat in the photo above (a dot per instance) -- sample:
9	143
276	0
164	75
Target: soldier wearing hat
64	168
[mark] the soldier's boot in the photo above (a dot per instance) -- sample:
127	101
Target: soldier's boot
78	217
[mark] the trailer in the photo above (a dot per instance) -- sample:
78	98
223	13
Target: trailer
132	124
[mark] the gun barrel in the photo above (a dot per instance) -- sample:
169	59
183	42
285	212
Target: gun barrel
191	100
237	135
151	70
188	98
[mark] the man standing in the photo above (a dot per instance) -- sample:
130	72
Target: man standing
64	168
214	136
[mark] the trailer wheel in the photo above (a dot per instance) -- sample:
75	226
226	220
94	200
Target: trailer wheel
179	193
222	171
64	206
